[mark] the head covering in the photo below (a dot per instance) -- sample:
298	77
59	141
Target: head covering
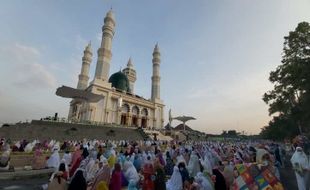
259	155
132	185
299	159
193	165
102	186
111	160
78	181
204	183
104	174
103	160
91	169
180	159
54	160
130	172
116	179
220	182
85	153
206	164
175	182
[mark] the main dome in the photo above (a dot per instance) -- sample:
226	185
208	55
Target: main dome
119	81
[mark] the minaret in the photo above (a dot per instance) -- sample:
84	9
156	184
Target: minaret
156	76
104	52
86	60
130	72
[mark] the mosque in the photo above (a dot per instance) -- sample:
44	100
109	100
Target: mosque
112	99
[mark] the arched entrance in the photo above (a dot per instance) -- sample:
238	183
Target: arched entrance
144	115
135	113
125	111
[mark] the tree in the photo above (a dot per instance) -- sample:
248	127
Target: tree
279	128
290	98
232	133
224	133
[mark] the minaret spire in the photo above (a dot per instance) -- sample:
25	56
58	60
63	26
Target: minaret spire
130	72
86	60
156	75
104	52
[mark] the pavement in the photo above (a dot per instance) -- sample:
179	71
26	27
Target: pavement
23	184
24	179
20	173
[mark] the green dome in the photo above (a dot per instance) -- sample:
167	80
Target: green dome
120	81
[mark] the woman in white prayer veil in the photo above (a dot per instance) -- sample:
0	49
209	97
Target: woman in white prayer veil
54	160
207	167
175	182
180	158
300	164
91	169
259	155
193	165
204	184
29	146
130	172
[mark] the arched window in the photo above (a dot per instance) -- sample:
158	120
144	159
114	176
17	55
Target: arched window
125	108
144	112
135	110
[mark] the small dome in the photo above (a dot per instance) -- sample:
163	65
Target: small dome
110	14
120	81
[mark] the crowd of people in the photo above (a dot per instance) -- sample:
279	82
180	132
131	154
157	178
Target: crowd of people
148	165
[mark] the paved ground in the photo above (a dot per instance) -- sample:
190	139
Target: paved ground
23	184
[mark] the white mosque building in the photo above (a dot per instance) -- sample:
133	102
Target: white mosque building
111	98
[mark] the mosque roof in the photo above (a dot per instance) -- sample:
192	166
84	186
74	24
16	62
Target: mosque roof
120	81
180	128
68	92
168	127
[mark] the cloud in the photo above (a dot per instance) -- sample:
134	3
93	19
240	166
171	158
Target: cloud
75	63
24	63
99	37
195	93
27	49
80	42
36	75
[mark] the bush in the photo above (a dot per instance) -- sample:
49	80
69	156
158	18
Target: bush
5	125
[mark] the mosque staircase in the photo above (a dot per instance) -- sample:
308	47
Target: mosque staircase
45	130
159	135
143	134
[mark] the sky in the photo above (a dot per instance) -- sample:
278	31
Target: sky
216	56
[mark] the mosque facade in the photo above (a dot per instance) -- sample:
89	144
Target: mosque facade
118	103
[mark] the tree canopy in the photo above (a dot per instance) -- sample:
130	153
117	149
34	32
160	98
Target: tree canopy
289	100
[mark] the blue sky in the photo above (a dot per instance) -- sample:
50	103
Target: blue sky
216	55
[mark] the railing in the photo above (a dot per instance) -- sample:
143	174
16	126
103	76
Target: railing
86	123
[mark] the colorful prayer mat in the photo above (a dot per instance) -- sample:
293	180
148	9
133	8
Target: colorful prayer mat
252	178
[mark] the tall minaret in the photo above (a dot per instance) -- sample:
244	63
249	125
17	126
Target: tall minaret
104	52
86	60
130	72
156	76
